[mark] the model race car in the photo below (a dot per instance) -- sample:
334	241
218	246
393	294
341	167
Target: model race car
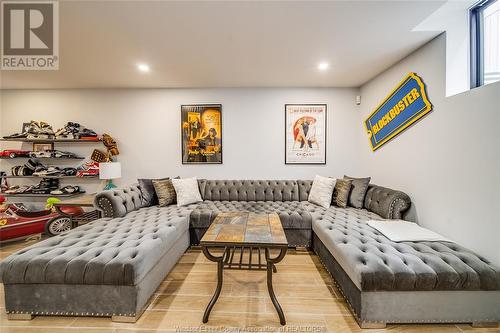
14	153
41	154
16	222
53	153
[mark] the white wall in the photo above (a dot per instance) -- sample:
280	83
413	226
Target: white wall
146	124
453	17
449	162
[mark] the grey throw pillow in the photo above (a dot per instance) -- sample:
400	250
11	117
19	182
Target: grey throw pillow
341	192
165	191
149	197
358	191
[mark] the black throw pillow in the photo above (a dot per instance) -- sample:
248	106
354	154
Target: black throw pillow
149	197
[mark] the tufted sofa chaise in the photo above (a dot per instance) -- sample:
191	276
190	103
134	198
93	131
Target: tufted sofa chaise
112	266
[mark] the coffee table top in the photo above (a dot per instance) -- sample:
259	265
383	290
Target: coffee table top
245	229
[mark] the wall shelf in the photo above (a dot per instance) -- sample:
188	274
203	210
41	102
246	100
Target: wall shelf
58	177
51	140
49	177
47	158
33	195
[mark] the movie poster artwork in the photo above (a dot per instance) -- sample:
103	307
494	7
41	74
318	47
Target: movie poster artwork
201	134
305	136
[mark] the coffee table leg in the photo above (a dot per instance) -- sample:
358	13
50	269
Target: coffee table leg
270	267
220	275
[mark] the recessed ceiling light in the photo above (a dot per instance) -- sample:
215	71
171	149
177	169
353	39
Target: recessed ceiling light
323	66
143	68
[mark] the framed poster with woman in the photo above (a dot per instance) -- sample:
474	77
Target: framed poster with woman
201	128
305	133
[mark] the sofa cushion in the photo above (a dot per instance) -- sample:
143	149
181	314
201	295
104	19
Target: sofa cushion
375	263
187	191
119	251
322	191
249	190
165	192
292	214
341	192
149	197
358	191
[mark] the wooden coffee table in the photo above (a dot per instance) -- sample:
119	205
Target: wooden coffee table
239	232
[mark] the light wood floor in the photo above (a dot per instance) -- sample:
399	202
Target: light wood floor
305	290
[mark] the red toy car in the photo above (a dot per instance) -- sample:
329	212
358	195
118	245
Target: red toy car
16	222
14	153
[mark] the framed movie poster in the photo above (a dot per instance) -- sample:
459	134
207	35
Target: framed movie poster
305	134
201	127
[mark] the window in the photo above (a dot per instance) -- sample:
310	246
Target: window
485	43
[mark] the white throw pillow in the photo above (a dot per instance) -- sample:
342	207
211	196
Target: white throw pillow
187	191
322	191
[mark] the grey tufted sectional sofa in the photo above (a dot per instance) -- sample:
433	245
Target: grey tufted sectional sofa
112	266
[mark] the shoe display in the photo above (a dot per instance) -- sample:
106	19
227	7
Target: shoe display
49	175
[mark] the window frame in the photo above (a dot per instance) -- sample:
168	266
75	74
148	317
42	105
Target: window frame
477	42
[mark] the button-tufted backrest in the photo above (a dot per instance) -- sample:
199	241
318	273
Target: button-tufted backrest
304	189
118	202
249	190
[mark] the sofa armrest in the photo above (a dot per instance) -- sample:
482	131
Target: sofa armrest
119	202
388	203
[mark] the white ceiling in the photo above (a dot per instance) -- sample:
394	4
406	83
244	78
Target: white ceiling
229	43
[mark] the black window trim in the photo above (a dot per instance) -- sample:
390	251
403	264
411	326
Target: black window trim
477	42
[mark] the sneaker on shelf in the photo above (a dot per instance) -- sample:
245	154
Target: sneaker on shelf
22	135
4	184
45	128
11	190
45	186
89	168
68	132
19	189
88	134
40	131
64	154
68	172
24	189
51	171
70	189
32	164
